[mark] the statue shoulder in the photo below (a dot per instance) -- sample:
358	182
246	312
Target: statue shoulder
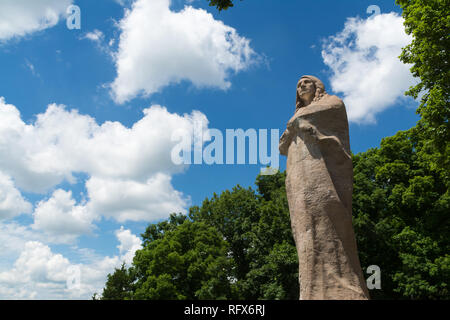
325	103
333	100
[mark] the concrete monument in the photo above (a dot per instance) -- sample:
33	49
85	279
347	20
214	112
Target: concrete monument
319	187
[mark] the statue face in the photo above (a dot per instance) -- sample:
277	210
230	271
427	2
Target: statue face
306	90
306	85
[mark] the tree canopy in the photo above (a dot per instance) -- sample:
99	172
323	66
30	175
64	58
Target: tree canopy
428	21
221	4
400	210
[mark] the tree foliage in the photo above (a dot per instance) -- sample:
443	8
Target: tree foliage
257	227
235	246
428	21
221	4
400	210
187	262
119	285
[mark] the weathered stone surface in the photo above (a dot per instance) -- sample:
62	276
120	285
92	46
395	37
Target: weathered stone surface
319	186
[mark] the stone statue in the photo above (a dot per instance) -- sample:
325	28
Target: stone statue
319	185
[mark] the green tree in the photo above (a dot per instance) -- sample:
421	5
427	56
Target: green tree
158	230
187	262
428	21
257	227
221	4
400	210
119	285
235	246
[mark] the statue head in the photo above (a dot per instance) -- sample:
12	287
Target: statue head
309	89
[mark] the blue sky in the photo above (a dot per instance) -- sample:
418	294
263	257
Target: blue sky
78	187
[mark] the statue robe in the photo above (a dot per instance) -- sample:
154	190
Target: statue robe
319	185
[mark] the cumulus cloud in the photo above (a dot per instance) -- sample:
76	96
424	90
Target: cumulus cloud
28	153
61	142
128	200
61	219
11	201
365	65
13	237
36	267
21	17
159	47
128	245
39	273
129	168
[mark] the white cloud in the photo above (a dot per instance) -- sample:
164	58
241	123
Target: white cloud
128	245
61	219
129	169
39	273
124	2
365	64
128	200
60	142
21	17
13	237
99	39
159	47
11	201
36	267
28	153
95	36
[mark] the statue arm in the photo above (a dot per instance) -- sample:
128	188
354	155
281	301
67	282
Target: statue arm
330	143
334	143
288	134
285	141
